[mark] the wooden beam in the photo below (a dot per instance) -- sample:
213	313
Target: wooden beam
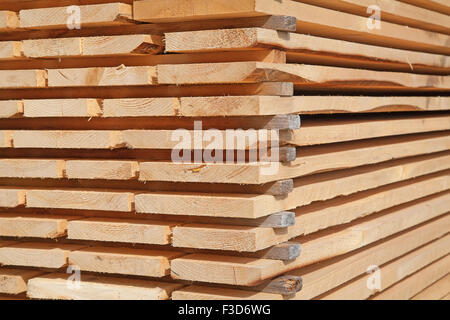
195	293
391	11
33	225
125	261
14	281
121	230
92	287
93	46
11	49
31	168
11	108
263	105
116	76
250	272
48	108
39	255
91	15
286	251
436	291
12	198
329	131
321	278
310	20
417	282
246	38
305	75
8	20
284	285
17	5
435	5
392	272
308	161
23	78
80	200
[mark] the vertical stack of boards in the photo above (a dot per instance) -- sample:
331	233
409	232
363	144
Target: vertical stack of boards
88	115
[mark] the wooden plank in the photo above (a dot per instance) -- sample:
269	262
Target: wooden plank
195	293
10	49
308	161
11	198
121	230
17	5
286	251
23	78
47	108
392	272
92	139
250	72
245	38
329	131
436	291
8	20
80	200
415	283
310	20
144	107
93	46
92	287
101	169
248	272
435	5
125	261
31	168
11	109
39	255
14	281
92	15
33	225
391	11
264	105
116	76
308	220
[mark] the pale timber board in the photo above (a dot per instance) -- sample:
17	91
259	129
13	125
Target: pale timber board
141	107
124	261
310	19
8	20
265	105
309	219
247	271
14	281
322	277
49	108
92	287
92	46
121	230
101	169
17	5
80	200
10	49
391	11
251	72
245	38
338	131
23	78
100	14
195	292
11	108
35	254
31	168
33	225
12	198
102	76
392	272
313	160
436	291
70	139
417	282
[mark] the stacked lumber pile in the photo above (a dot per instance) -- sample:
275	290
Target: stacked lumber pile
88	117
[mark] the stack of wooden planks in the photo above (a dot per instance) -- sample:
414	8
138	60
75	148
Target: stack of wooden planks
338	186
